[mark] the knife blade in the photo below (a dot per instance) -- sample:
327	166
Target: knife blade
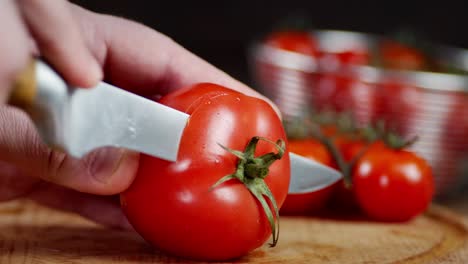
308	175
80	120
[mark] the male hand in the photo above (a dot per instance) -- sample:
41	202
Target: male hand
83	47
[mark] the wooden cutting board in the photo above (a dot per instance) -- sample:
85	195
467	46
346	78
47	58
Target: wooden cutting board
30	233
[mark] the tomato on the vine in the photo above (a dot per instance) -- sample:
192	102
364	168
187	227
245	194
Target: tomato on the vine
350	148
183	208
391	184
343	197
311	202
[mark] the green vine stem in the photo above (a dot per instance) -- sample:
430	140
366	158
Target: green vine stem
369	134
343	166
391	139
251	171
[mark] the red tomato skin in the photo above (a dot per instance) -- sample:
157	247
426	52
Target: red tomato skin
311	202
302	42
398	56
455	135
358	57
171	204
344	198
312	149
350	148
345	93
399	104
392	185
308	203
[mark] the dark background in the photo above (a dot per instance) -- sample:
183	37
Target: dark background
220	31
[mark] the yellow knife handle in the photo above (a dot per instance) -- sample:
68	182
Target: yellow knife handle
24	88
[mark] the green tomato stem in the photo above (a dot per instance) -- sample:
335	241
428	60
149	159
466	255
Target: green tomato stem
251	171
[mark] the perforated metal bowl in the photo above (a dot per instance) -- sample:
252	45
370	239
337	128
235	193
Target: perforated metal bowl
433	106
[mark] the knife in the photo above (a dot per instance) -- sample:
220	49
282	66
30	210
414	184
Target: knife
77	121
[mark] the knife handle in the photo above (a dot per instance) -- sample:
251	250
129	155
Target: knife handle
25	87
42	94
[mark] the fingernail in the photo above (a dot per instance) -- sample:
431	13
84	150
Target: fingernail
97	70
105	162
95	74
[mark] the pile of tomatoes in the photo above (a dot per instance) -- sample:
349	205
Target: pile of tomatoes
397	53
382	178
336	84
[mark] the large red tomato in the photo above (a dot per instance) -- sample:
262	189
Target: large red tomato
177	207
311	202
392	185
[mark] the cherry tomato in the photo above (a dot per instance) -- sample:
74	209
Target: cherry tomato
308	203
297	41
354	57
336	61
343	93
392	185
399	104
398	56
177	207
275	77
312	149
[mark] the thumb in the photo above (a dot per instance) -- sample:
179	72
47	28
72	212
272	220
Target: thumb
104	171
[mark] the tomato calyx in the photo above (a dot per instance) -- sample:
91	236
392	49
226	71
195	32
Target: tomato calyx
388	136
251	171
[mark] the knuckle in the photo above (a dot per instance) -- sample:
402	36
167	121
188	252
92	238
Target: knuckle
54	166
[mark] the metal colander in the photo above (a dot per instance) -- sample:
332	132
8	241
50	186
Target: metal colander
433	106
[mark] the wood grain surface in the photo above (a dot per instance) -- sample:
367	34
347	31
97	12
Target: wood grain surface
30	233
